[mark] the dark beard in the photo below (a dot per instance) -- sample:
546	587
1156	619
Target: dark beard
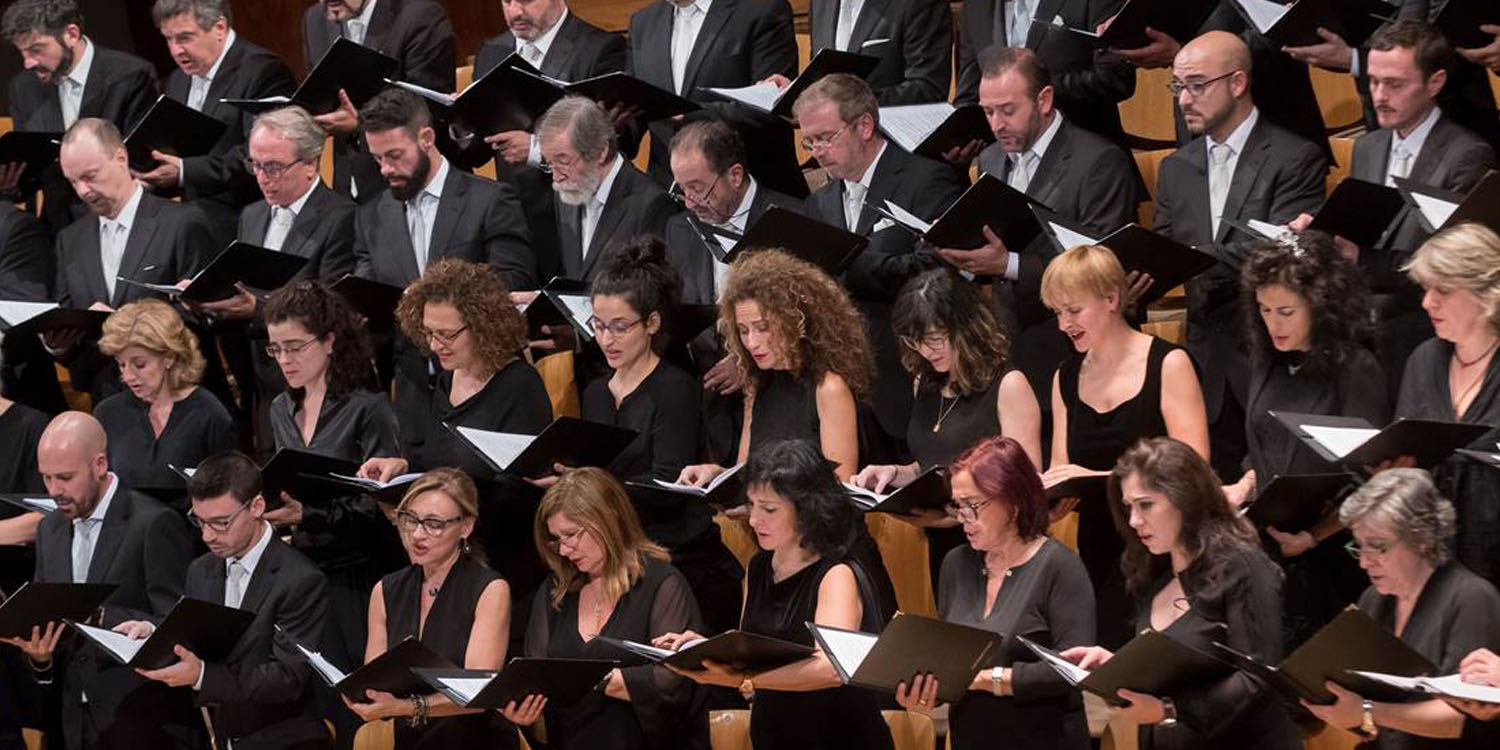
415	182
63	66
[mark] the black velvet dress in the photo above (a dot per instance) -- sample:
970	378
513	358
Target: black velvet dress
198	427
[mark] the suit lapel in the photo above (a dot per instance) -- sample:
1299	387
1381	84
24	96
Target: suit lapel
1053	166
651	59
450	208
304	225
609	218
226	75
1426	163
1374	169
1046	10
257	221
887	174
393	219
718	14
381	22
109	534
136	244
826	26
93	260
870	16
1246	172
570	237
93	92
259	587
555	62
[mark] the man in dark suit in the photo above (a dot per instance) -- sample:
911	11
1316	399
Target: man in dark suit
839	118
26	275
687	46
102	532
1416	140
912	39
261	694
1038	150
603	201
1088	83
415	33
67	76
560	45
128	233
1239	167
213	63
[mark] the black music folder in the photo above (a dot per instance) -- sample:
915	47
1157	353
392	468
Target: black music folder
567	441
779	102
1297	24
1350	641
301	474
28	503
622	88
174	128
826	246
391	672
1351	441
685	321
562	302
1169	262
744	652
561	681
1484	457
725	491
988	202
36	150
1179	19
512	96
239	263
1358	211
928	491
389	493
1152	663
910	645
1090	490
1296	502
36	604
1459	20
1440	209
1450	686
372	299
355	68
964	124
208	630
23	318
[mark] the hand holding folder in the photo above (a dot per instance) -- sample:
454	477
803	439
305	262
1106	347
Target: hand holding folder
910	645
560	681
929	491
1152	663
739	651
35	605
391	672
210	631
1355	443
823	245
567	441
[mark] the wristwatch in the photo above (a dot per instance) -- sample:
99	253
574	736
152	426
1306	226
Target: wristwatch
1169	714
1367	726
1000	682
747	687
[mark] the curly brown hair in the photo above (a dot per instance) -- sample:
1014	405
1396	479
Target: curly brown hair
480	297
940	300
811	314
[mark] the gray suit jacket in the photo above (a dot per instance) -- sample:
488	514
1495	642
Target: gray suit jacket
168	242
477	220
912	39
323	233
1277	177
695	262
636	207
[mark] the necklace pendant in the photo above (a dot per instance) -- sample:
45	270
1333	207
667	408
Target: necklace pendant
937	426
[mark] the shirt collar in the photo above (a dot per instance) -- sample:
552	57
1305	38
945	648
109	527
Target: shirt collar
1237	138
439	178
1044	140
869	174
252	557
602	194
102	509
1418	136
80	72
742	214
223	53
701	5
126	217
544	42
364	15
297	205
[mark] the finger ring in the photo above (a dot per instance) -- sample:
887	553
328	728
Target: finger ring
921	703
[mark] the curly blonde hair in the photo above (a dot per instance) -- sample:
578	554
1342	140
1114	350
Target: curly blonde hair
480	297
819	327
154	326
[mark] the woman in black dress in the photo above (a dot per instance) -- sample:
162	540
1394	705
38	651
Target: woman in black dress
453	603
805	526
1121	386
1456	377
22	427
1311	353
1011	579
1403	529
162	417
631	296
330	407
609	580
1198	575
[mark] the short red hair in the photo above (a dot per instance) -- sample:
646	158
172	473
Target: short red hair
1004	473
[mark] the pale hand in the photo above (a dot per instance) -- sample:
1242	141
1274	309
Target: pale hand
1137	283
962	156
1158	54
383	469
1481	667
1087	657
1143	709
167	173
1333	53
724	377
1476	709
527	713
778	79
1303	221
341	121
39	647
184	673
699	475
240	306
675	641
1346	712
712	673
289	514
1292	545
550	479
1487	56
1239	492
877	477
920	696
10	176
989	259
379	705
623	115
513	146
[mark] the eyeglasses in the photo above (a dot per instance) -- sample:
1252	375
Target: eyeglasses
697	196
933	340
965	511
446	338
569	540
823	141
616	327
216	525
289	348
408	523
271	169
1196	88
1373	549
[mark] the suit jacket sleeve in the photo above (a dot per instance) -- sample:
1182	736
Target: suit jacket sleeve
301	616
144	88
507	240
168	552
612	55
429	52
364	218
1302	188
773	44
216	172
338	250
927	48
195	243
26	263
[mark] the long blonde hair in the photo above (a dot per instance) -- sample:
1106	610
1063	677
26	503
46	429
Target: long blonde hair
593	499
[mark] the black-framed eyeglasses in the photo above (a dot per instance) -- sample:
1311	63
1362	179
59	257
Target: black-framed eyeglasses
446	338
569	540
823	141
216	525
271	169
1196	88
964	510
681	191
408	522
616	327
289	348
1373	549
931	340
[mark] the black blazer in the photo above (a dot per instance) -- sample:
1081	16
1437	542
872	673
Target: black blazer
168	242
323	232
121	88
419	36
913	39
143	547
262	693
218	182
580	50
26	264
477	220
636	207
695	262
741	42
1277	177
1089	83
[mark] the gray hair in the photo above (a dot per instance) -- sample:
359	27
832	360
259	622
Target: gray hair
1406	501
585	124
848	93
205	13
296	125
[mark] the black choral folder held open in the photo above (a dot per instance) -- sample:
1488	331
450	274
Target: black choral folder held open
826	246
1296	502
36	604
372	299
1179	19
928	491
355	68
35	150
1091	489
208	630
965	124
1439	209
744	652
1152	663
391	672
303	475
1459	20
1296	24
1169	262
1358	211
1351	441
242	263
727	490
561	681
567	441
174	128
28	318
655	103
827	62
989	202
910	645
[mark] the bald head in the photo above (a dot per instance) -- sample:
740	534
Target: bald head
1211	76
93	159
71	457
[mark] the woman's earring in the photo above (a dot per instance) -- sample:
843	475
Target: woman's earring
463	545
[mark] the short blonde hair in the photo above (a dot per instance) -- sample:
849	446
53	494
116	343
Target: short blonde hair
154	326
1467	257
1087	269
593	499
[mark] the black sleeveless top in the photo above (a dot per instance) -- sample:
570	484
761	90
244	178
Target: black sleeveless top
1095	440
964	422
785	408
447	634
841	717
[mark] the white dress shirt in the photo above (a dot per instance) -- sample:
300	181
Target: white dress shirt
357	27
88	541
1018	15
736	223
686	23
849	11
595	206
854	192
198	85
538	49
282	218
1404	151
419	222
70	87
1220	180
113	235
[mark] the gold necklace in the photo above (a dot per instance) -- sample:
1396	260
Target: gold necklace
943	413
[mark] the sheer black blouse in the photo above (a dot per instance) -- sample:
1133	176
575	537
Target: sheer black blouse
198	427
514	400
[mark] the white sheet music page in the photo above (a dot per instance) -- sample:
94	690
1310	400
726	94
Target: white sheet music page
910	124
